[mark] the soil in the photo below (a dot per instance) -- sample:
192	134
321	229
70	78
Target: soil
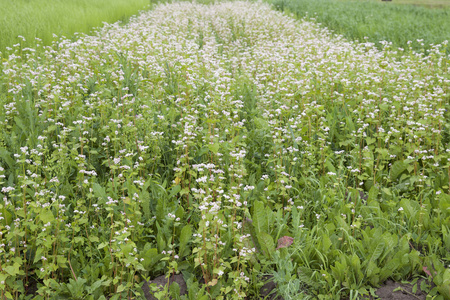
161	281
32	288
386	292
267	291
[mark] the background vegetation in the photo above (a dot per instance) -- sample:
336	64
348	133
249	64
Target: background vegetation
42	19
376	20
426	3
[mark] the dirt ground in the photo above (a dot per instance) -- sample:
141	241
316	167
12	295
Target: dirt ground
397	291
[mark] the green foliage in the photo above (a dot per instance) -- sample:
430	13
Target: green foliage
203	140
23	21
374	21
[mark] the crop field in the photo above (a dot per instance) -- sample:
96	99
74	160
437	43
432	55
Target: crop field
401	26
22	21
425	3
229	145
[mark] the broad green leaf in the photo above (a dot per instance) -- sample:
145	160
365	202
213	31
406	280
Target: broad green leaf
161	243
373	193
370	140
145	198
99	191
95	286
444	202
214	148
38	254
185	236
377	252
174	191
267	243
6	156
260	219
326	243
102	245
387	191
330	166
120	288
446	237
46	216
174	290
396	169
93	239
12	270
389	269
151	257
371	269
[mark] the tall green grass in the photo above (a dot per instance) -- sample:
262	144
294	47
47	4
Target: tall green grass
377	21
42	18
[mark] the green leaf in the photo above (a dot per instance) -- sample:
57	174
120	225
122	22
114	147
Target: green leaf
151	257
102	245
46	216
387	191
444	202
371	269
99	191
94	286
330	166
161	243
397	169
185	236
267	243
120	288
389	269
174	191
214	148
260	219
174	290
326	243
38	255
13	270
145	198
377	252
93	239
115	297
370	140
446	237
6	156
373	193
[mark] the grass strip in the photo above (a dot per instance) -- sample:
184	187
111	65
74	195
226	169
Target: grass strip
43	19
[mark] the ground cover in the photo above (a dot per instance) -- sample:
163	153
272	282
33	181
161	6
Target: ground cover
376	21
42	19
425	3
229	144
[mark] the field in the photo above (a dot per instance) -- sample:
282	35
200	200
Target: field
230	144
425	3
401	26
42	19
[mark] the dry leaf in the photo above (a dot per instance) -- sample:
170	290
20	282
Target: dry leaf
285	241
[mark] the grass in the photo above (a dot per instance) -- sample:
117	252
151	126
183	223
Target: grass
225	143
378	21
425	3
41	19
